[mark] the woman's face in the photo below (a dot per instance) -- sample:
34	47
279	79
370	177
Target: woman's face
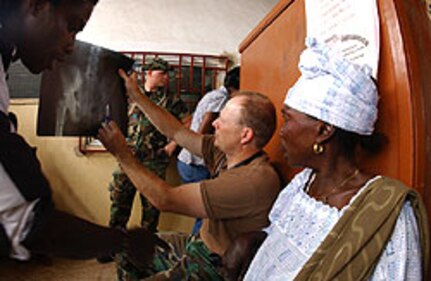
298	134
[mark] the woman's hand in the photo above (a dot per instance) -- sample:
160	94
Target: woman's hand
239	255
139	247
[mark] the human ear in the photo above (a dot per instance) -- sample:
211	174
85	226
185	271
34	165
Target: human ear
325	132
247	135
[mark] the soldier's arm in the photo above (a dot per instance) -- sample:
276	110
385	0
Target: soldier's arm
185	199
165	122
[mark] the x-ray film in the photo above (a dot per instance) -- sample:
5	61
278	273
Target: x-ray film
76	94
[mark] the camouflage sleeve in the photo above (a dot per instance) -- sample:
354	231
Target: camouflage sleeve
177	107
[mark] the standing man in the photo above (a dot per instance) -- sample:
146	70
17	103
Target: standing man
237	198
191	168
150	147
40	33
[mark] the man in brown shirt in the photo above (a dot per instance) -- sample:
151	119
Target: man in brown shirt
243	186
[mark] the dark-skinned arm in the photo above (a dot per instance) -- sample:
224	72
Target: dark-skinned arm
241	252
56	233
63	235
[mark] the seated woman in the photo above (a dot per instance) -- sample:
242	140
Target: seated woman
335	221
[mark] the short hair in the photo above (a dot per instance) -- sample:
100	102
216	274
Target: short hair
258	113
349	141
57	2
8	7
231	79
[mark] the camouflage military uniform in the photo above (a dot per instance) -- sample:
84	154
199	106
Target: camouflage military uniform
147	144
187	258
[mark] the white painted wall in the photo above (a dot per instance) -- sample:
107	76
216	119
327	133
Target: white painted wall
186	26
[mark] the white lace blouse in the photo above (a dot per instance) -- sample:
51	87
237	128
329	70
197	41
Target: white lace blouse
299	223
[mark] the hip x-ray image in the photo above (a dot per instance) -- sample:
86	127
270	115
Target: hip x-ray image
77	95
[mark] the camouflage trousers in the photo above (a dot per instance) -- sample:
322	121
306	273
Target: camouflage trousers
186	259
122	193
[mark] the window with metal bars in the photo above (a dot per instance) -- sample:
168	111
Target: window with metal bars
193	74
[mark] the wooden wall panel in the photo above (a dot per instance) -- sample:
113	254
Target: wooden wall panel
269	62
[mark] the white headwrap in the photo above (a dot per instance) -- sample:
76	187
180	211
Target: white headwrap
334	90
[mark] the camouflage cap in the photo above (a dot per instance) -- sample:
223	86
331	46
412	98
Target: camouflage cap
157	64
